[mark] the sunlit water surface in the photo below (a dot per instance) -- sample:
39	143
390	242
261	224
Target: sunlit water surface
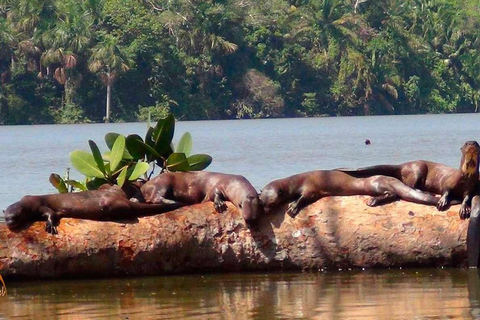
261	150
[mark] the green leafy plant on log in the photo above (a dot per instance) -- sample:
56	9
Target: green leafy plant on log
129	158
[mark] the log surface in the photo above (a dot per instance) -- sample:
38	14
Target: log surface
334	232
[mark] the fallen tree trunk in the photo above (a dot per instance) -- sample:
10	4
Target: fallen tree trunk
335	232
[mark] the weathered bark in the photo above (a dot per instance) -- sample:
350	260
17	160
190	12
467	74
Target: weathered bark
335	232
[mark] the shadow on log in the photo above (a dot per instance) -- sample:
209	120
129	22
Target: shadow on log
334	232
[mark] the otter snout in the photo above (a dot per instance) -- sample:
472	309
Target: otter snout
13	216
268	199
251	209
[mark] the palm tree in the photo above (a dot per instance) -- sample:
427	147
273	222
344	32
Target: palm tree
333	38
31	20
67	41
108	60
7	40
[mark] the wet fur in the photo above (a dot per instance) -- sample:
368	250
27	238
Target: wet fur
436	178
196	187
105	204
303	189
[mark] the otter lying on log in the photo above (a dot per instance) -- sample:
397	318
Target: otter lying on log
332	233
106	203
200	186
305	188
434	177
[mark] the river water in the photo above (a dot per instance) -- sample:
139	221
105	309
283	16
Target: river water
261	150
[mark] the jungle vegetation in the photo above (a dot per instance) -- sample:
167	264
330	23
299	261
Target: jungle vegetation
62	60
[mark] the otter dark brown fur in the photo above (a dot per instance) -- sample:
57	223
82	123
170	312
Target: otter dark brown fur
305	188
434	177
196	187
108	203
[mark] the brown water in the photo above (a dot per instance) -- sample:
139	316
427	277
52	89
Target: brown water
387	294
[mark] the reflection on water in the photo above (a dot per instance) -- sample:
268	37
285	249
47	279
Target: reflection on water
387	294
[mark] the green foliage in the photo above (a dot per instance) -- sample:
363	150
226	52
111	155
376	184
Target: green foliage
117	166
58	183
153	112
235	59
157	148
69	113
65	184
129	158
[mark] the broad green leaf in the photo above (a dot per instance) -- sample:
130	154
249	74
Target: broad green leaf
122	176
139	169
127	155
135	146
76	184
163	135
149	151
97	156
106	157
109	171
58	183
199	162
85	164
117	153
185	144
149	142
149	137
110	139
177	162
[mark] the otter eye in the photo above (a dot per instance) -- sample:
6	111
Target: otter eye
240	205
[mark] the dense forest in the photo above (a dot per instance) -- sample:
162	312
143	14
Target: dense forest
61	60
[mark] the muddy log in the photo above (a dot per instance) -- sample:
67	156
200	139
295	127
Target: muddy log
335	232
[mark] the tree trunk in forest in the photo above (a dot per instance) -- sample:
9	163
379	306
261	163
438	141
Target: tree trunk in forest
334	232
107	113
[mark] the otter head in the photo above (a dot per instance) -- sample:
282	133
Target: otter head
470	157
19	214
271	197
250	208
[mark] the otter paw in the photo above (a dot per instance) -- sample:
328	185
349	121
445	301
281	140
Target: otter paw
372	202
442	204
292	210
220	206
464	213
50	228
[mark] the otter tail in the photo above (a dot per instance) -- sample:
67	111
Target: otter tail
404	192
382	170
146	209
